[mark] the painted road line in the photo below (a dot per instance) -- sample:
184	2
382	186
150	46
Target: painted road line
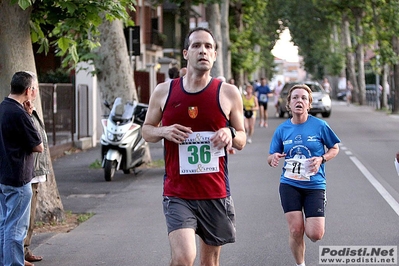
377	185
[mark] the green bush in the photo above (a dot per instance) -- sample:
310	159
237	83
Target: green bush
58	76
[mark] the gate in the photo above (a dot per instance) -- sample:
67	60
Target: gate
58	104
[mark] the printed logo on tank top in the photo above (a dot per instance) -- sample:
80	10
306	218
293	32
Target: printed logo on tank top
193	111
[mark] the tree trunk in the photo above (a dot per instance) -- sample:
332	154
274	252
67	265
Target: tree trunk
184	11
16	54
224	26
115	75
213	18
360	62
350	59
238	18
395	88
385	87
341	81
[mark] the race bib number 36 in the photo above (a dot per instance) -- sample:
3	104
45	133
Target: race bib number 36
197	155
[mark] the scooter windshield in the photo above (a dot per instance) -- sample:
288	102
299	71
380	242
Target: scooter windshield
121	113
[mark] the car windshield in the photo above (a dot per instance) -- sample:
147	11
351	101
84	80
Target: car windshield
313	87
370	87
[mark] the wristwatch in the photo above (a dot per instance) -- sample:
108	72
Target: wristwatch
324	159
233	132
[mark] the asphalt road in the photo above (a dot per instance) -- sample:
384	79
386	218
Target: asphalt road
128	227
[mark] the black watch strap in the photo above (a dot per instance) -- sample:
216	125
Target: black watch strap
324	159
233	132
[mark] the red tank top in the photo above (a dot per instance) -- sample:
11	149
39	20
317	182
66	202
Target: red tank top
202	112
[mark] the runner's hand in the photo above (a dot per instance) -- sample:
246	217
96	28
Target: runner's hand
222	138
176	133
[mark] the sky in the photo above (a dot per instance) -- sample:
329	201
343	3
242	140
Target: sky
285	49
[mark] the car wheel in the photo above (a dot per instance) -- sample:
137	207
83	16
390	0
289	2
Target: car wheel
326	114
281	113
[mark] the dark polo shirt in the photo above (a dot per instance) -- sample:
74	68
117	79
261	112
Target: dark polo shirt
18	136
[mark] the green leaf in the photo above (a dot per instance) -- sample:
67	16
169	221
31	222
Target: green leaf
71	7
63	43
24	4
74	53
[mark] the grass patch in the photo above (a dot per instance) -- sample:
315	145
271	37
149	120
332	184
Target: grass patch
69	223
157	164
84	217
39	224
96	164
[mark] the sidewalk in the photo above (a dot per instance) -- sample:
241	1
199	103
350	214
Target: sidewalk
84	190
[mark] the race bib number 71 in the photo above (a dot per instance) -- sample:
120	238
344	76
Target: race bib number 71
297	169
197	155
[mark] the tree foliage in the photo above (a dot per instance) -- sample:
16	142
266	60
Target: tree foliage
249	28
383	25
251	35
311	30
315	26
72	26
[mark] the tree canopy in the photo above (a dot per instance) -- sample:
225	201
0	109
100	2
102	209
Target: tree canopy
72	26
252	36
316	27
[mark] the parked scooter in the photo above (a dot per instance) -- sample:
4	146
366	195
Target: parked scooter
122	144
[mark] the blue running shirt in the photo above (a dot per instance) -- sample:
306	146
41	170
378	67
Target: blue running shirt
300	142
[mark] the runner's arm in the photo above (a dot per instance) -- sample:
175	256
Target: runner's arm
231	103
153	131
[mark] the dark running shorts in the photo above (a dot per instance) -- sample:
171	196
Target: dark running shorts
264	104
248	113
212	220
311	201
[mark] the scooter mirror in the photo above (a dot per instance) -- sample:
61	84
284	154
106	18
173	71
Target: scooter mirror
106	103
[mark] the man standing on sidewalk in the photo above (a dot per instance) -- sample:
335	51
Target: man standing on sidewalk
41	170
200	119
18	140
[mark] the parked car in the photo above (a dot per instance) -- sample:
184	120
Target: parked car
321	99
371	93
373	87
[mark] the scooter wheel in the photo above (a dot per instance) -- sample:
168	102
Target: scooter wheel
109	170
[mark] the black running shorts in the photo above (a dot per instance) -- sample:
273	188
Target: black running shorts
213	220
311	201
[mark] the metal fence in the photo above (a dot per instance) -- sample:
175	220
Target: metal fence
371	97
67	114
58	104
